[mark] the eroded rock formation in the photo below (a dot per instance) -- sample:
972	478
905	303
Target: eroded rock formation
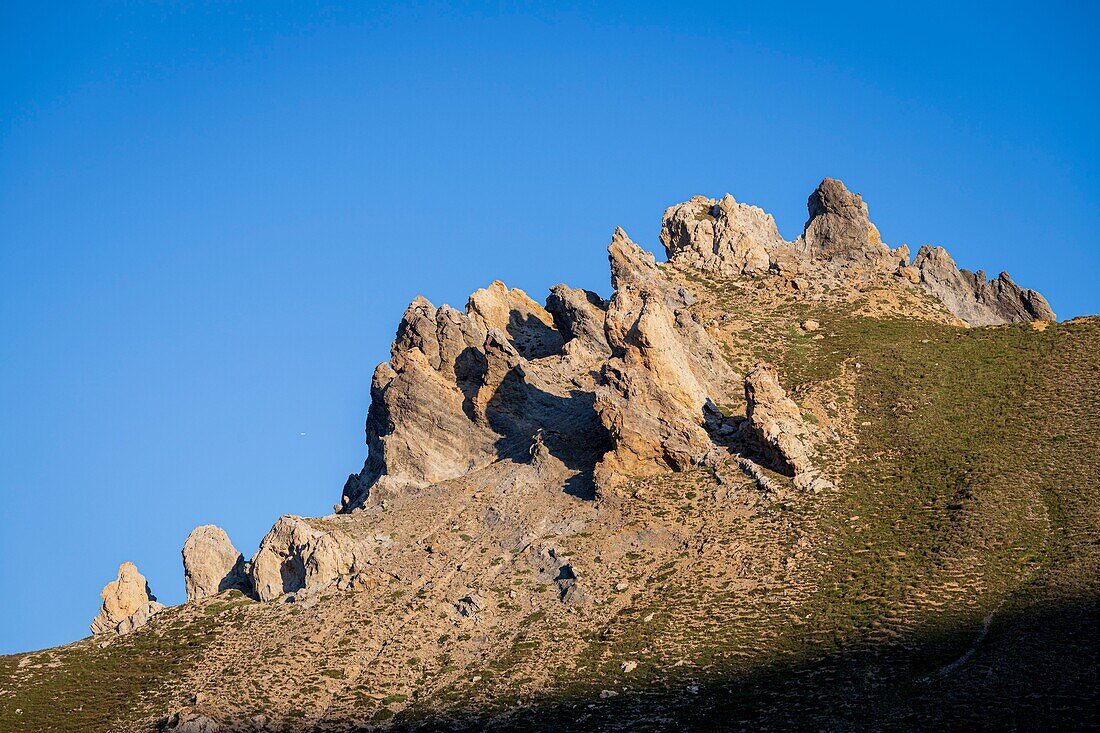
974	299
295	557
839	243
585	393
464	389
422	426
580	317
211	564
775	423
724	236
127	603
776	419
839	229
528	326
664	372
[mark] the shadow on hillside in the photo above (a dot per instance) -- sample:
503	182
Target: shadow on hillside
1036	670
532	338
569	428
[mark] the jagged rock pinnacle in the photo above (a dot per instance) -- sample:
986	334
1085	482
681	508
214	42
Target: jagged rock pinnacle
211	563
974	299
127	603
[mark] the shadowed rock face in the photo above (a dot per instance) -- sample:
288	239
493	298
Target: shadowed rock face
839	228
529	327
974	299
580	315
127	603
211	564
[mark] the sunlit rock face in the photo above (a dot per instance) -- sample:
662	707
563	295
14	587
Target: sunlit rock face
127	603
211	564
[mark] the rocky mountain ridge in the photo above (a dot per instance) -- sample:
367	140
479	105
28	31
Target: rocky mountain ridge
607	390
775	483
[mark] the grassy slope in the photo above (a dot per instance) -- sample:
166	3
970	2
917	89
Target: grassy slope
973	495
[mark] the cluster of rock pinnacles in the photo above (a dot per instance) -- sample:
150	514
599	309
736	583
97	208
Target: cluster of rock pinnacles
463	389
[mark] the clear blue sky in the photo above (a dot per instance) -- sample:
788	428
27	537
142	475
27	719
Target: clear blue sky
213	215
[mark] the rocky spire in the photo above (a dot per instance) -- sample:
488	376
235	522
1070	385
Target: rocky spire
127	603
839	228
211	564
664	371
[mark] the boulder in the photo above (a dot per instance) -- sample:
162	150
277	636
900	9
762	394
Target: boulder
722	237
974	299
776	422
127	603
296	557
211	564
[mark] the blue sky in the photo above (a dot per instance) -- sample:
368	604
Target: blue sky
213	215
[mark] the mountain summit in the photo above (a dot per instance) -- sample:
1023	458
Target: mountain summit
767	483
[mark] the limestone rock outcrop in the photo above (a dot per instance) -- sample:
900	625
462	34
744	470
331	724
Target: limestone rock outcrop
974	299
295	557
839	243
775	424
465	389
724	237
528	326
839	228
422	426
579	315
211	564
776	419
127	603
664	374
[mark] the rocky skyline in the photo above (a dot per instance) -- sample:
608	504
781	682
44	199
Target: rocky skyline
626	509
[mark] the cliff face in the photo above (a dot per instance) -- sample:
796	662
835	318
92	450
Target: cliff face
650	364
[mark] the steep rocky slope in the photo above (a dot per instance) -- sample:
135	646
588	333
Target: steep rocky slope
767	483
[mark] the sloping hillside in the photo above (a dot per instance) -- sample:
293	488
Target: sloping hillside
939	568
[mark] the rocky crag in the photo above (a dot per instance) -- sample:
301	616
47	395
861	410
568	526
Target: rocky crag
127	603
568	475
